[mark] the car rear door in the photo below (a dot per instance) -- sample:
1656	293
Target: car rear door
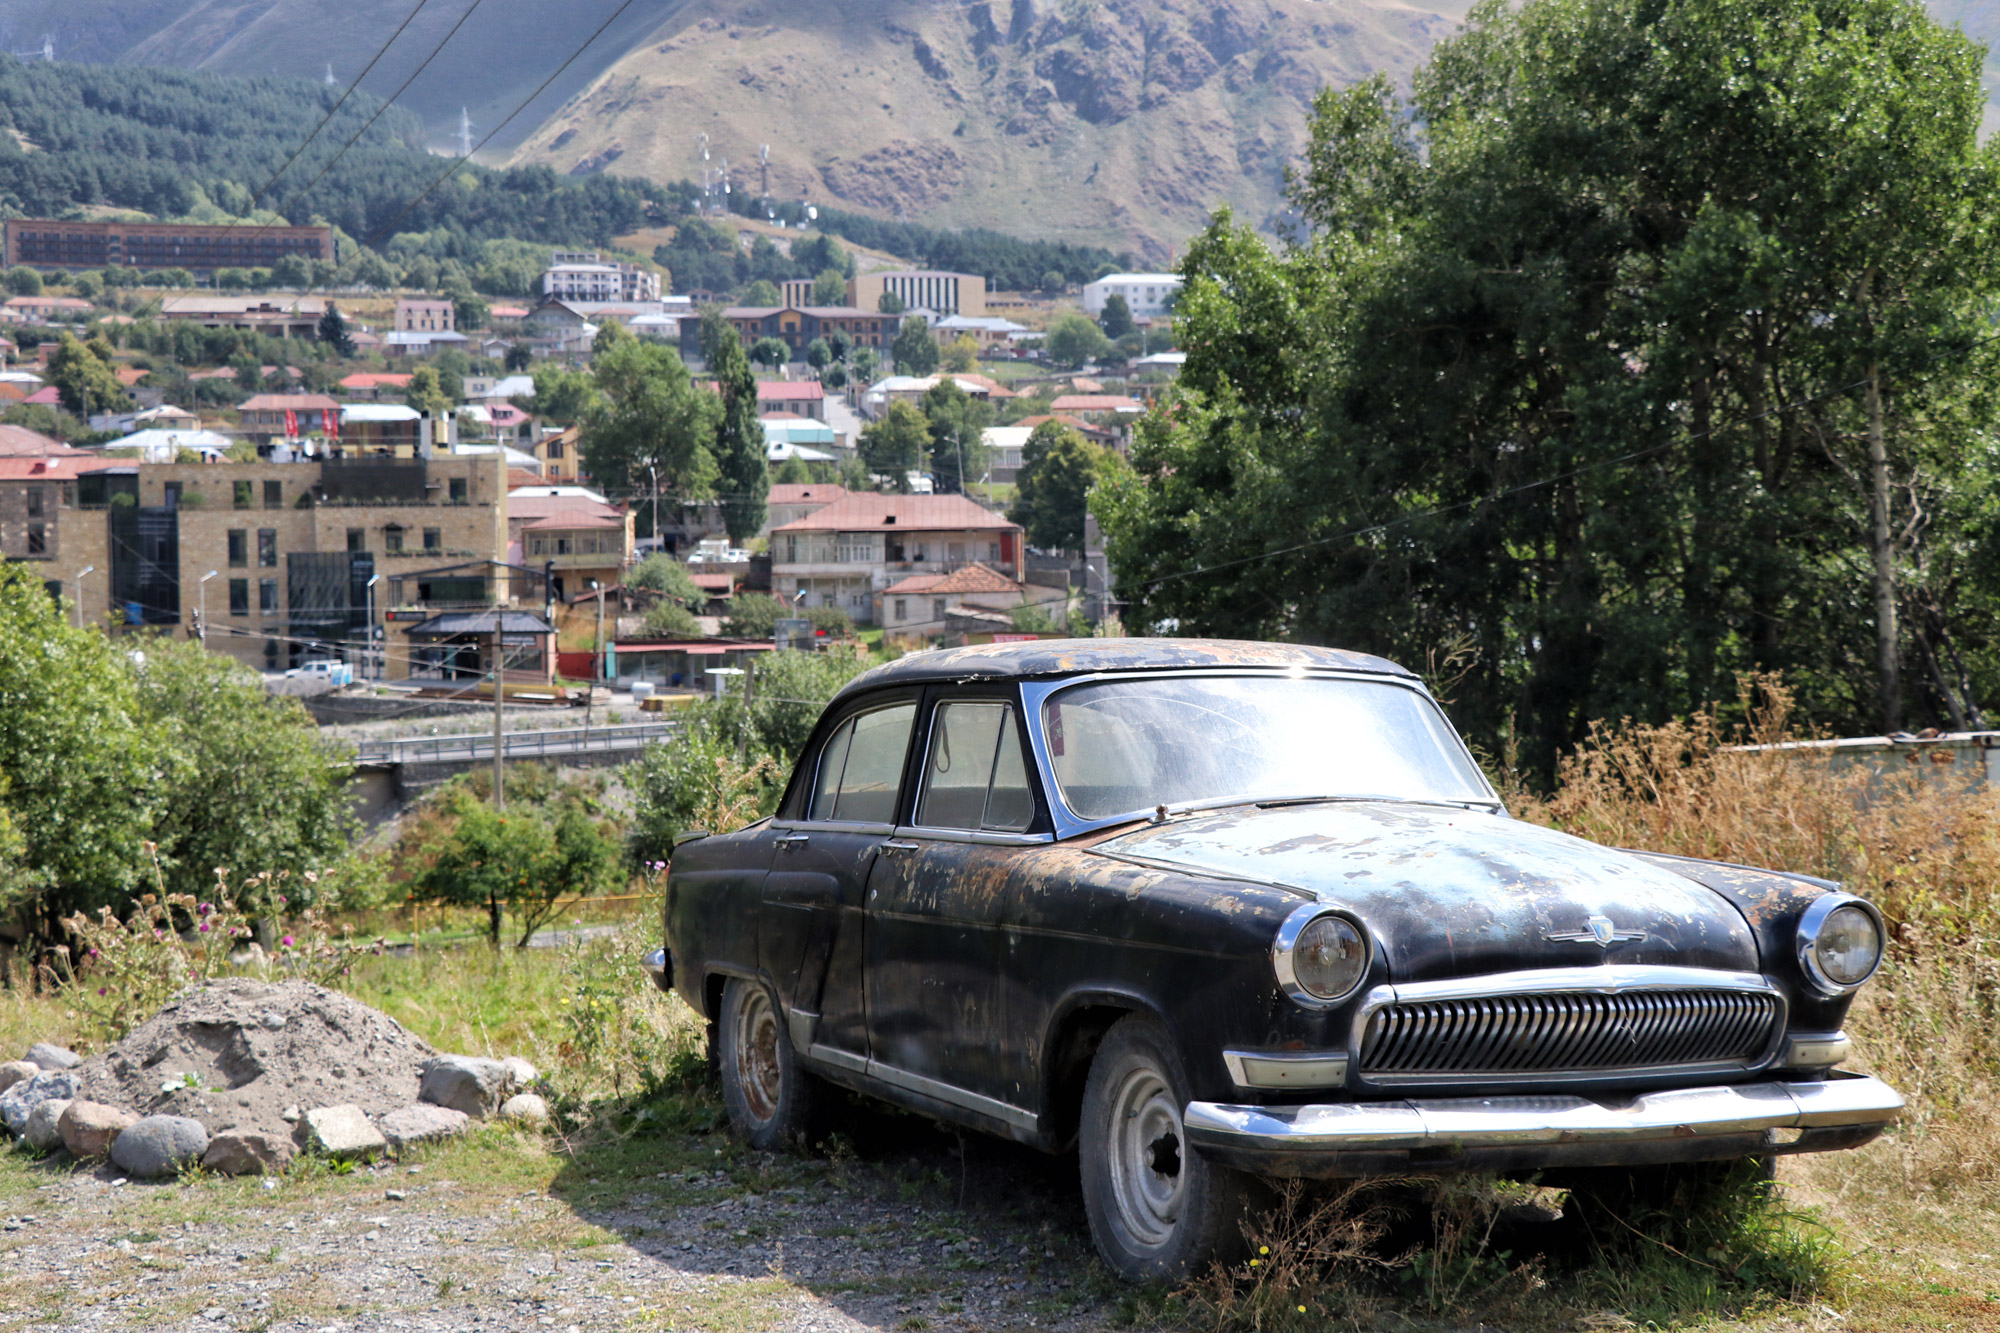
811	930
936	898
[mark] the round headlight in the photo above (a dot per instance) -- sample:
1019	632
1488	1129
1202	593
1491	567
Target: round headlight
1321	958
1840	943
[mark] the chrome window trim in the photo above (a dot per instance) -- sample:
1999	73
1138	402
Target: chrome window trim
832	826
1557	980
1810	924
1287	939
979	836
1068	824
1281	1070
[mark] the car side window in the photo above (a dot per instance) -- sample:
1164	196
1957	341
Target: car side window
975	776
861	768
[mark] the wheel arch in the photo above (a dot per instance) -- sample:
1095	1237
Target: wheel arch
1075	1032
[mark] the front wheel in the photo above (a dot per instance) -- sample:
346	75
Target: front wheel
1158	1210
771	1100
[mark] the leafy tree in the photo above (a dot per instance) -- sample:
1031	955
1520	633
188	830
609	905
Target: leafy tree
770	352
1116	317
762	292
244	780
831	621
1059	468
1558	369
866	362
671	620
818	354
83	379
834	376
333	332
894	445
830	288
661	573
1073	340
24	281
292	272
519	357
86	285
792	689
792	472
425	392
739	433
914	351
957	422
527	858
647	423
469	312
890	304
961	354
1053	281
561	395
753	616
838	345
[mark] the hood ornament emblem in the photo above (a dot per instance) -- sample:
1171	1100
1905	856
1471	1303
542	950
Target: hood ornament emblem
1598	931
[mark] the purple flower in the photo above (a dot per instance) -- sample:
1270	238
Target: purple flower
100	990
203	908
287	941
203	926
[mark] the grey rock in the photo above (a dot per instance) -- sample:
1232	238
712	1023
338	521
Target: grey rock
41	1133
526	1108
464	1083
158	1145
343	1131
89	1128
409	1125
19	1101
247	1153
48	1055
15	1071
519	1072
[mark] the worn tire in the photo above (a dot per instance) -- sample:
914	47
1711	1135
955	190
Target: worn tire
773	1102
1158	1210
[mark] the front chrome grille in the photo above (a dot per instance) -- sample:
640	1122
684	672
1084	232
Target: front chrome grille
1561	1032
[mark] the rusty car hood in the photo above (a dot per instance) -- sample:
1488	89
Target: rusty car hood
1446	891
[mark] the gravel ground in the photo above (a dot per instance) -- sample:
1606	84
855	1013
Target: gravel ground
720	1240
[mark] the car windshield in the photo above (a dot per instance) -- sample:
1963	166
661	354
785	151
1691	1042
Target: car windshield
1119	746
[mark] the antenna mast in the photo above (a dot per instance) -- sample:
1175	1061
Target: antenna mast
464	133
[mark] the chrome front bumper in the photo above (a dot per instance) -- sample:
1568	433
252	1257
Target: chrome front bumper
660	967
1678	1124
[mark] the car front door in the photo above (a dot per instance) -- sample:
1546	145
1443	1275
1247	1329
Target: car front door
936	897
810	933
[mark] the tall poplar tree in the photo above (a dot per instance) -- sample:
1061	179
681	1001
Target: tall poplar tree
745	481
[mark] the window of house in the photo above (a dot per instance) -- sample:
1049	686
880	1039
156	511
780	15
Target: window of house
993	551
38	539
433	539
274	495
562	546
173	490
937	608
902	608
457	491
392	539
357	539
240	493
555	448
239	597
239	548
267	596
267	547
395	592
538	546
957	552
34	502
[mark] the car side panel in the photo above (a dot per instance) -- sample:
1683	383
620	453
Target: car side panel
715	889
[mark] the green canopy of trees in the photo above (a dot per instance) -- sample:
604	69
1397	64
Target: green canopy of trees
647	424
1073	339
895	444
740	451
1059	469
913	349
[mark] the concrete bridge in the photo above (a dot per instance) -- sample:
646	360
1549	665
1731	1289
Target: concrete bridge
388	773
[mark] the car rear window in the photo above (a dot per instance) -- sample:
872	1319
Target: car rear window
861	768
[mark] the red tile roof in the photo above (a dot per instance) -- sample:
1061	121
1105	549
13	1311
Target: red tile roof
1096	402
20	442
799	493
974	577
532	507
577	516
64	467
376	380
48	395
288	402
129	375
789	391
869	511
720	584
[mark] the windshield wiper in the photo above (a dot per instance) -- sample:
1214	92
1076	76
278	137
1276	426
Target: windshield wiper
1280	802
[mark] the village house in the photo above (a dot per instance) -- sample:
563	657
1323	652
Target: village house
789	502
265	417
277	316
847	553
922	604
796	326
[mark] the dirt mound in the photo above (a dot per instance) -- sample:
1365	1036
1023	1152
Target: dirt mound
235	1054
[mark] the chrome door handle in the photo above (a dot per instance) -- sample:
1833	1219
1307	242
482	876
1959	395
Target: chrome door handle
893	846
792	842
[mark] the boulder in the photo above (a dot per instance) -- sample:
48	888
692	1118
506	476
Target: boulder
158	1145
19	1101
464	1083
520	1073
526	1108
41	1133
88	1128
343	1131
15	1071
410	1125
247	1153
48	1055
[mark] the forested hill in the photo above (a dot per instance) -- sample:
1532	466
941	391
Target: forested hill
173	143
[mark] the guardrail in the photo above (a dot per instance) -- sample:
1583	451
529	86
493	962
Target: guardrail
515	744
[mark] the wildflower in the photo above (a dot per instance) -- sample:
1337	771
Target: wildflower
203	927
203	909
100	990
1263	1249
1302	1309
286	942
1255	1262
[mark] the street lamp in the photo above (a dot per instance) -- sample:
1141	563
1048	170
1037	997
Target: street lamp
87	569
201	606
368	665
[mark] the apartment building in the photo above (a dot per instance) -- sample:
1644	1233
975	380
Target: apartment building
419	315
580	275
49	243
850	552
797	326
1147	295
944	293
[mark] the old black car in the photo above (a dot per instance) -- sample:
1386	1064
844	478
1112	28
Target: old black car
1207	911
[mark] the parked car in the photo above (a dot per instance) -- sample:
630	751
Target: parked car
1211	911
326	669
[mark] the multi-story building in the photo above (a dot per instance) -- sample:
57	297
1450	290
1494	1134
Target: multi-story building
848	553
580	275
945	293
265	417
279	316
281	560
1147	295
46	243
796	326
420	315
586	537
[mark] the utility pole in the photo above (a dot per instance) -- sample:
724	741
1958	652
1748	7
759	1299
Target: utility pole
499	716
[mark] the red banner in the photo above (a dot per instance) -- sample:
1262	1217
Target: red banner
331	426
291	423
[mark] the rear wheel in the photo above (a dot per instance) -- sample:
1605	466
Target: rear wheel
771	1100
1158	1210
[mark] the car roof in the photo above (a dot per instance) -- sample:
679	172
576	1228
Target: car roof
1076	657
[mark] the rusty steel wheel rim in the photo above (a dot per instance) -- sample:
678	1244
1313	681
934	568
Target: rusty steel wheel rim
756	1043
1146	1143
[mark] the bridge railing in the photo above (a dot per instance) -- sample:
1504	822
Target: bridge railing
515	744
